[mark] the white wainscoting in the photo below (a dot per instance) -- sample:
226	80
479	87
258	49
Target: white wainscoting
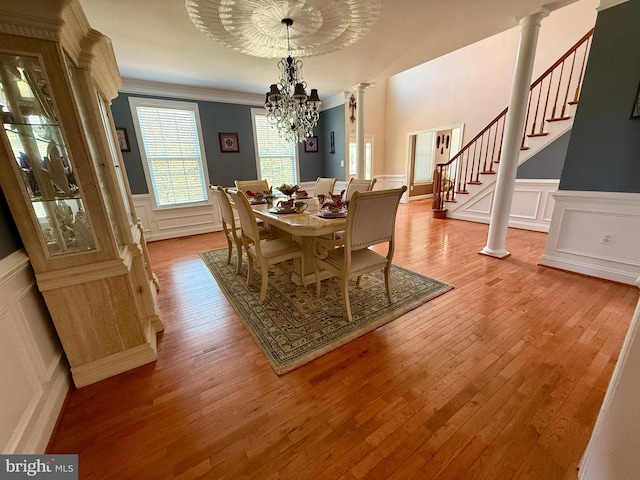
34	374
531	208
165	223
580	220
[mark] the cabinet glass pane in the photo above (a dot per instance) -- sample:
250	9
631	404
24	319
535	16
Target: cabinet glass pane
43	164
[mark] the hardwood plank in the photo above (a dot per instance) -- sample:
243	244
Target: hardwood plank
500	378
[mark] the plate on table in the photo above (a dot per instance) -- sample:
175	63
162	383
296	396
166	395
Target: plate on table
303	197
330	214
282	210
257	202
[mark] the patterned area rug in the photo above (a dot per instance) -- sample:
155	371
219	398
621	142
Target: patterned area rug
293	327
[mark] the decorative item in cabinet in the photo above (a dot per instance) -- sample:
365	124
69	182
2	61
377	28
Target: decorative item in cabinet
35	139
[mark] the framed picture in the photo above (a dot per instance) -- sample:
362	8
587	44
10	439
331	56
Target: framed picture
229	142
635	113
123	139
311	144
332	145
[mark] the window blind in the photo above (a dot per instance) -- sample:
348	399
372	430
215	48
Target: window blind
172	149
276	157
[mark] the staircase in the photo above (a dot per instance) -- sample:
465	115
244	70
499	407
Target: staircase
463	187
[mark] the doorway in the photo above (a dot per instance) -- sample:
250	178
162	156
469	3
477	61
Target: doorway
427	149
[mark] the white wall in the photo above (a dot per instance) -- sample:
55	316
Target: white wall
34	374
612	453
472	85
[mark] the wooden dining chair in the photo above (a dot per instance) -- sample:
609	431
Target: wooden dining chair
231	231
267	253
324	185
252	185
370	221
356	185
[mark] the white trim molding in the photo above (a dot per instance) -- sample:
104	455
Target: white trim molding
595	233
531	207
34	371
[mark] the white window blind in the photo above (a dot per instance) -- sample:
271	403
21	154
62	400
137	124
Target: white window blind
277	160
171	147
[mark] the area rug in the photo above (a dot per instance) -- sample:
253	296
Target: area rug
293	327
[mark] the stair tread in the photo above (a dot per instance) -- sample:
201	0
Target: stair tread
557	119
541	134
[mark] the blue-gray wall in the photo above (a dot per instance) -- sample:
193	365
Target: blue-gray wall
604	149
224	168
548	162
332	120
9	238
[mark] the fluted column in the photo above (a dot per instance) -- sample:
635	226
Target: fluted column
503	194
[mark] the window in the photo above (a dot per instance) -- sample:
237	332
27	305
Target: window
277	159
423	157
172	153
368	156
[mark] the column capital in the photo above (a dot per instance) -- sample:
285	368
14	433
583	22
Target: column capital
534	18
361	87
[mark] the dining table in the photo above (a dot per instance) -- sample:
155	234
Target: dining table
302	227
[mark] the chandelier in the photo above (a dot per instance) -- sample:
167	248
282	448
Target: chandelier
289	108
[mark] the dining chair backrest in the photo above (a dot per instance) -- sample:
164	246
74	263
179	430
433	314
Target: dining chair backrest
372	217
324	186
248	222
252	185
356	185
226	211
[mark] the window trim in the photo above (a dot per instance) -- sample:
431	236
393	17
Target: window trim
135	102
368	139
263	112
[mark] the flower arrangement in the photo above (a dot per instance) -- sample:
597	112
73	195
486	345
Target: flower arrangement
287	189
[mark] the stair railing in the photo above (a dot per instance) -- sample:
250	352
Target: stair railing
549	97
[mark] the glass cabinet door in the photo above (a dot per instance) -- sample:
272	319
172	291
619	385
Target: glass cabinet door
42	162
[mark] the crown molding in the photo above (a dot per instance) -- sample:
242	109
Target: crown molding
188	92
207	94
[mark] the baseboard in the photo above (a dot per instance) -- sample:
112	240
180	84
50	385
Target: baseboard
120	362
619	276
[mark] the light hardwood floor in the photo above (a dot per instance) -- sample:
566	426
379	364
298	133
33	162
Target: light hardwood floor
500	378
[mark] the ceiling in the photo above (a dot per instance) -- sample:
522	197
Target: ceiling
154	40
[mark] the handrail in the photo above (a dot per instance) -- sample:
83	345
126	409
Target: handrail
483	151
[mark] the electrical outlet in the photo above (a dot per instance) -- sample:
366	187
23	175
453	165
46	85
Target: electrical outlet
606	239
342	163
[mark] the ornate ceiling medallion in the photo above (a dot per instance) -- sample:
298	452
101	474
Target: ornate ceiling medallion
254	27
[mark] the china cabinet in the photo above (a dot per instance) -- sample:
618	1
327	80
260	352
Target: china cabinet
66	185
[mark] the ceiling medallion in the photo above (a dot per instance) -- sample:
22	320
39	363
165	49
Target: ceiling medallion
254	27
